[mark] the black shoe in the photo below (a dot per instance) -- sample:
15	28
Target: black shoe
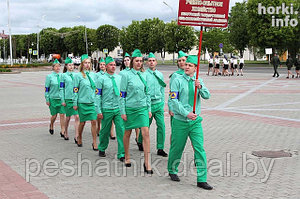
79	145
162	153
287	77
102	153
128	164
51	131
61	135
147	171
293	76
66	138
204	185
96	149
273	76
140	145
277	75
75	140
113	138
174	177
122	159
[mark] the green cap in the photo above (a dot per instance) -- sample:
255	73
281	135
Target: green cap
101	60
68	61
151	55
108	60
83	57
192	59
127	55
137	53
56	61
181	54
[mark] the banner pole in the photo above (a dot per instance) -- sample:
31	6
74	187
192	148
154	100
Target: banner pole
198	66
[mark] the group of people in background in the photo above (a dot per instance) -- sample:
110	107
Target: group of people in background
234	64
130	101
290	62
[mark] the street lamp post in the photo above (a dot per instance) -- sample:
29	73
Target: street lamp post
9	29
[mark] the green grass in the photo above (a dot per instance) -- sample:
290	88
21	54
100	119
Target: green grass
4	70
24	65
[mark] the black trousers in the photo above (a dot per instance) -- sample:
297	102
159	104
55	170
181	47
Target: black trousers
275	70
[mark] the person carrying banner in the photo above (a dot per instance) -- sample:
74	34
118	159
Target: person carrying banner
186	123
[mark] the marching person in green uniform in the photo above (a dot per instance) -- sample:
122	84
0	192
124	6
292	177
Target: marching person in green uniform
66	89
136	107
101	70
181	66
84	99
53	98
125	67
186	123
108	108
156	85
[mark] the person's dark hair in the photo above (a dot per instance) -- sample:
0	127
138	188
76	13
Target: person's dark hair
122	67
98	67
65	68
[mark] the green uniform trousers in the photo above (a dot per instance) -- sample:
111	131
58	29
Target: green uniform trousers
181	130
157	111
108	117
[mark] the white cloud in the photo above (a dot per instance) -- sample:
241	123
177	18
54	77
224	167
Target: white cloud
27	15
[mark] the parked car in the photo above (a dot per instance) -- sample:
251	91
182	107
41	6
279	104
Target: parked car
118	61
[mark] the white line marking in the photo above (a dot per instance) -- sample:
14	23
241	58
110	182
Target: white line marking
261	109
222	106
263	105
266	116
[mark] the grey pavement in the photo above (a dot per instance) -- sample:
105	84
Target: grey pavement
244	114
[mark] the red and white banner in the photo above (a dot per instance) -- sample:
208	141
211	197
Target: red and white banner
203	13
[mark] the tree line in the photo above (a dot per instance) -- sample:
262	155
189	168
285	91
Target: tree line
246	29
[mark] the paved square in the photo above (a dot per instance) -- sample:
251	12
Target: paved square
245	114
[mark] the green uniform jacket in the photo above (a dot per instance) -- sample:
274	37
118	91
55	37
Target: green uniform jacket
133	92
52	86
173	76
275	61
157	92
83	91
180	97
123	72
107	98
66	86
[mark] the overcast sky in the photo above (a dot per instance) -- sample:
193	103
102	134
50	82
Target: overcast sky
28	16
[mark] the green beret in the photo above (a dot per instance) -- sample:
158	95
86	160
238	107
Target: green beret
181	54
83	57
151	55
101	60
192	59
68	61
56	61
108	60
137	53
127	55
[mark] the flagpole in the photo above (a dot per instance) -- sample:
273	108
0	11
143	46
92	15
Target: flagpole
198	66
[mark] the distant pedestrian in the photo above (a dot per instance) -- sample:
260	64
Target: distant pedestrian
289	64
242	64
231	66
217	67
235	65
225	66
276	62
297	65
95	64
210	64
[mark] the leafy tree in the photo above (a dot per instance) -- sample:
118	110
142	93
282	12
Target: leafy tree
107	37
130	37
238	20
179	38
264	35
152	35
